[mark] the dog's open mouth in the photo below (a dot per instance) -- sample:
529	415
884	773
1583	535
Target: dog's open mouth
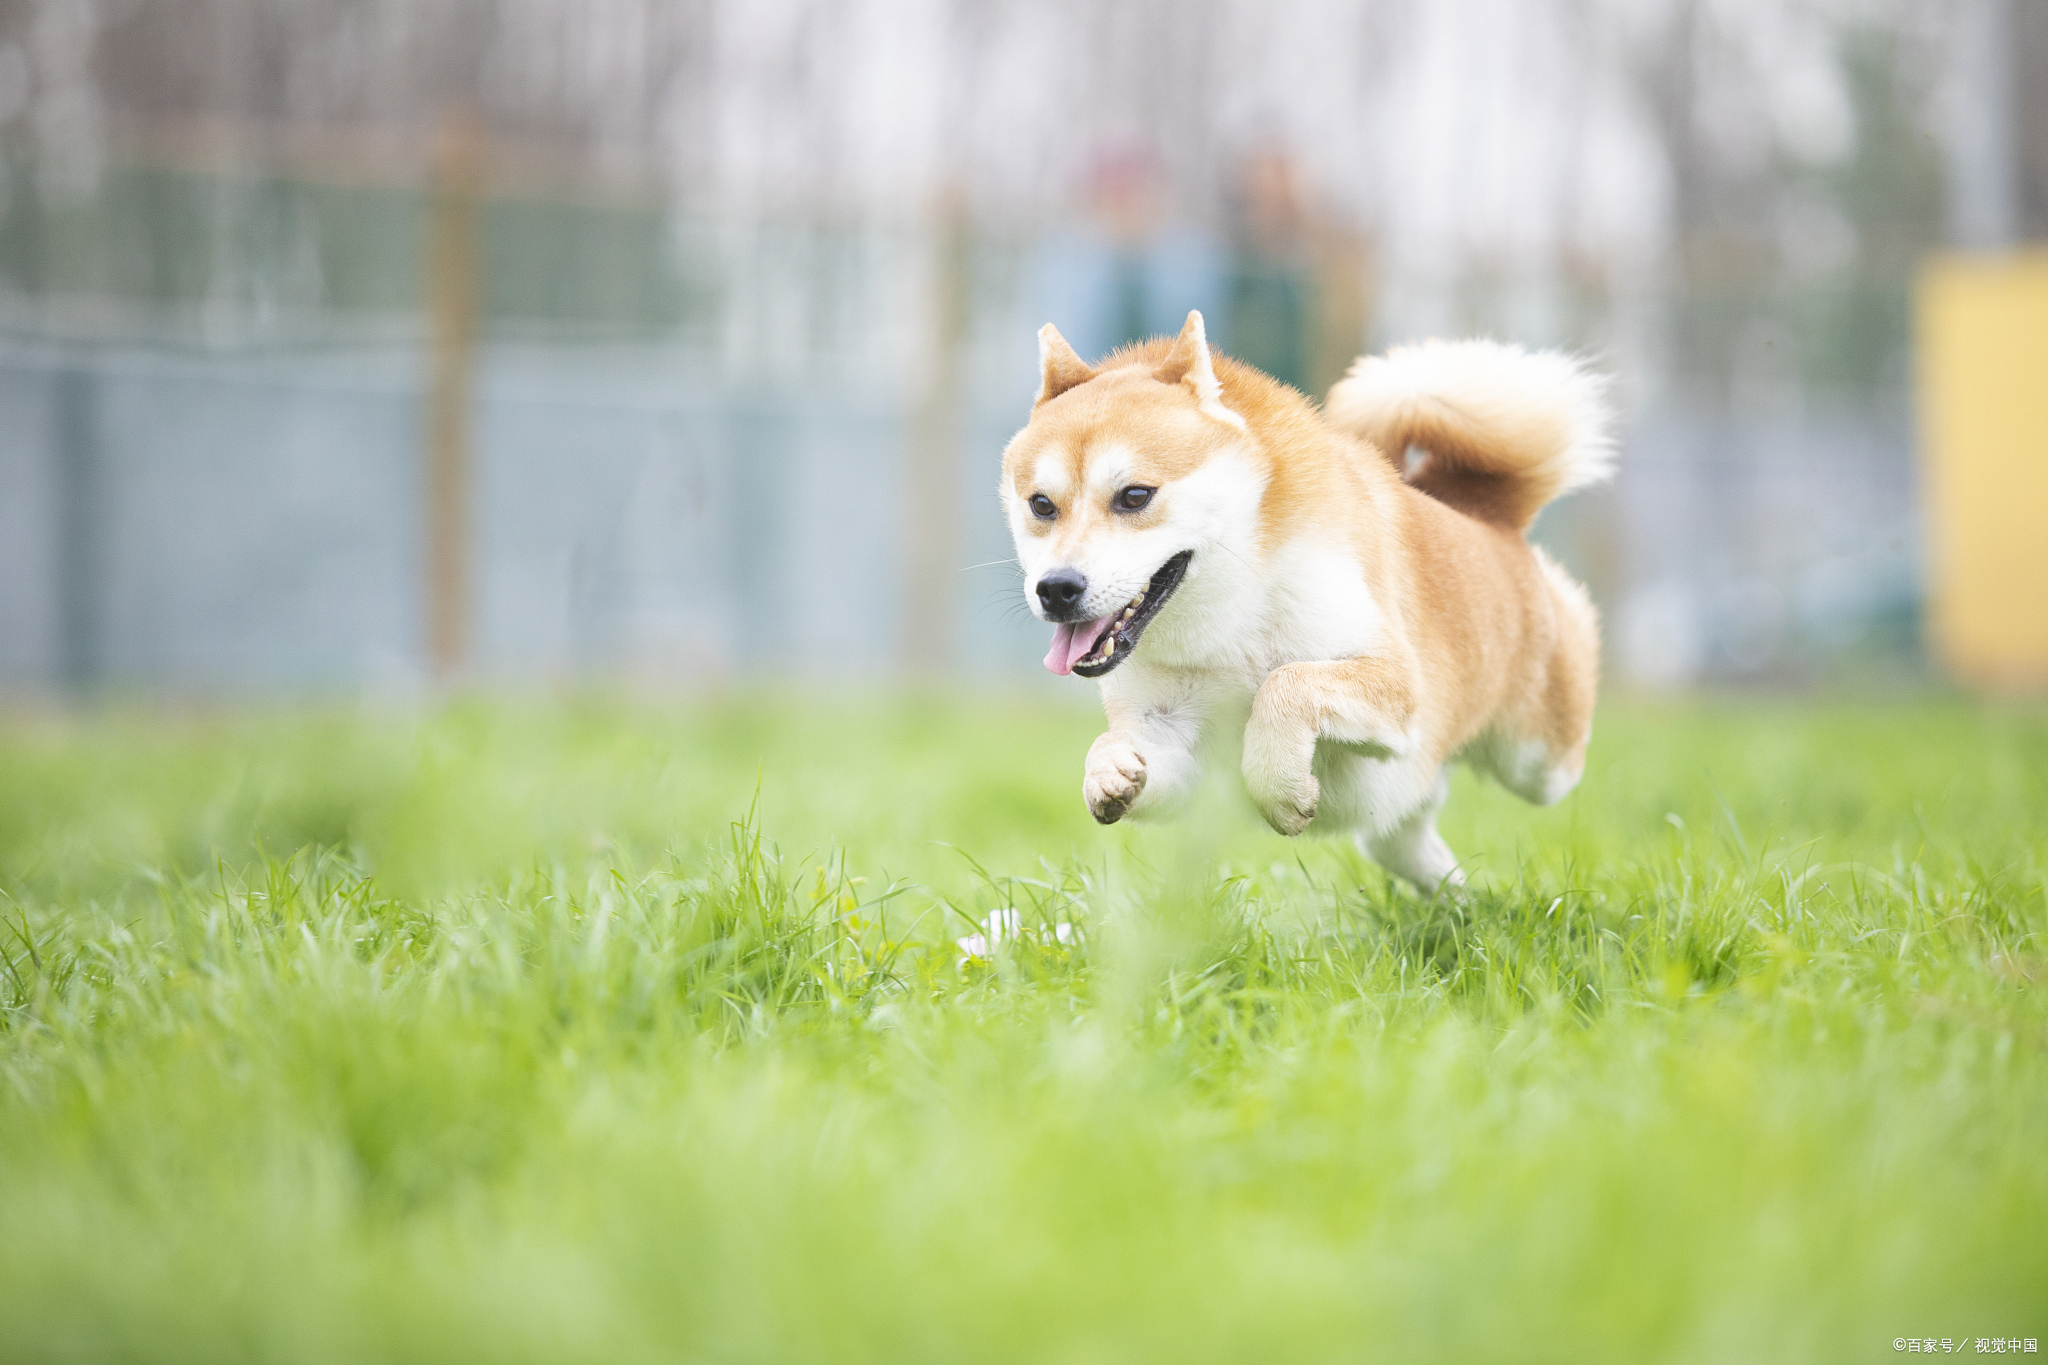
1092	648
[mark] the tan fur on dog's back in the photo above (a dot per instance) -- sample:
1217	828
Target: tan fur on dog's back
1506	659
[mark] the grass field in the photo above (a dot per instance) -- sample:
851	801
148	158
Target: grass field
623	1031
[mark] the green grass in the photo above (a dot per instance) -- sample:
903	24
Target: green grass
532	1033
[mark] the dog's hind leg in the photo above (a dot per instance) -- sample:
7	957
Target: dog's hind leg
1412	849
1536	745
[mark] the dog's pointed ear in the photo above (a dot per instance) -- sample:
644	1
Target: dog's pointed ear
1188	363
1059	369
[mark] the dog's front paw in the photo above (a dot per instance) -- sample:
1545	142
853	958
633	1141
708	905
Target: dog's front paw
1114	778
1289	808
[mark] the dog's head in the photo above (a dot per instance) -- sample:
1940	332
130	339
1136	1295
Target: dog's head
1117	487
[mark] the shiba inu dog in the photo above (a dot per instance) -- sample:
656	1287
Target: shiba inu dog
1216	551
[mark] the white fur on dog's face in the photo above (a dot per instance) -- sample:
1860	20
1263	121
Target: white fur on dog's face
1117	551
1212	510
1156	423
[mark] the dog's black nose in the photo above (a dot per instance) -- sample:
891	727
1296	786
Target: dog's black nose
1060	592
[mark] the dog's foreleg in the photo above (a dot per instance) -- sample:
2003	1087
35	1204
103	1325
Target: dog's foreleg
1367	702
1143	765
1115	776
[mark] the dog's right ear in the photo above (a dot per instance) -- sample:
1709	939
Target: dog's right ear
1189	363
1059	369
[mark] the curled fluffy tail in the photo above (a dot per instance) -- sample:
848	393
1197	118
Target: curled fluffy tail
1503	430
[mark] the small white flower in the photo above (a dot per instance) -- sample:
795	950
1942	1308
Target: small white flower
1000	926
996	926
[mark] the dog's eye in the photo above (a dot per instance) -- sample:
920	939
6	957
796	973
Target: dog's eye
1042	507
1133	499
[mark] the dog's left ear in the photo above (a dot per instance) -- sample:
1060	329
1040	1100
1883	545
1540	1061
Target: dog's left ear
1188	363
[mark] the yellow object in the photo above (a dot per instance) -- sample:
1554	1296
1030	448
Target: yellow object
1983	373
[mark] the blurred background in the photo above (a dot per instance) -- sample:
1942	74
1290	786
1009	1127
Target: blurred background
356	345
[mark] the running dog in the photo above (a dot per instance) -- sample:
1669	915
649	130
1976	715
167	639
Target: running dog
1217	552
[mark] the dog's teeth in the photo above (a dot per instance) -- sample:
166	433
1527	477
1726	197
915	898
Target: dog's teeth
1135	600
1129	612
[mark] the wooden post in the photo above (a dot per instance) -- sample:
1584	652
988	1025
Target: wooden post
451	304
932	491
81	545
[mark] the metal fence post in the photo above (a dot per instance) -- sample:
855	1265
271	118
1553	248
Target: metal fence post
451	302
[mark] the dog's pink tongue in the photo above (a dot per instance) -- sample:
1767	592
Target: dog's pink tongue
1071	643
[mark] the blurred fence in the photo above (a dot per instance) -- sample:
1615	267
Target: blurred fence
696	455
1773	546
184	517
245	522
717	339
694	450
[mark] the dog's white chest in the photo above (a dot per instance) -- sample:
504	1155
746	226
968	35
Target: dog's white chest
1308	601
1316	606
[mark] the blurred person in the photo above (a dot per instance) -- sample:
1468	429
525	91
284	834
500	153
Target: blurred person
1130	269
1272	268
